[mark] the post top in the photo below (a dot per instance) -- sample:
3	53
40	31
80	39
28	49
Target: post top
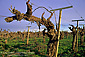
78	20
28	26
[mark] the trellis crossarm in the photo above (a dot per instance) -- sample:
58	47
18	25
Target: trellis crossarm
62	8
78	20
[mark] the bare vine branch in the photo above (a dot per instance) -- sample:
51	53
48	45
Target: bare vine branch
42	7
46	22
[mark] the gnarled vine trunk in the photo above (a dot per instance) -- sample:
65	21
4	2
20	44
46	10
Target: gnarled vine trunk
52	47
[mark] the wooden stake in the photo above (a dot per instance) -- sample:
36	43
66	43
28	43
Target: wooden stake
77	34
58	31
59	25
6	41
28	35
77	38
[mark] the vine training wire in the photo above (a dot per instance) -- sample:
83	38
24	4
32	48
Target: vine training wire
75	9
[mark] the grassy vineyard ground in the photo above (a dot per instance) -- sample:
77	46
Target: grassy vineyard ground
36	48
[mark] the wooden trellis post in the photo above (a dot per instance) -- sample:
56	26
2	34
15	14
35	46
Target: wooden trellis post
77	33
39	29
59	23
24	35
28	34
44	35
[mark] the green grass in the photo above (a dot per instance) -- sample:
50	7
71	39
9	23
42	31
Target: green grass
65	47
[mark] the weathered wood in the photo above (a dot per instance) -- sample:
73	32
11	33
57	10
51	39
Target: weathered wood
28	35
73	29
77	37
6	41
58	31
78	20
77	33
57	43
62	8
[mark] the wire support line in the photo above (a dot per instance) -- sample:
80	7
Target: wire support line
75	9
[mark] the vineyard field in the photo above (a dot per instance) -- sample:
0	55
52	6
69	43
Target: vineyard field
36	47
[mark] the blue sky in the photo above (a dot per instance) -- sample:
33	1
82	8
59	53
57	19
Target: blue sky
68	15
